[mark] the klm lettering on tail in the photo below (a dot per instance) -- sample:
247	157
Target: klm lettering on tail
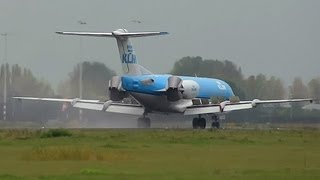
130	48
129	58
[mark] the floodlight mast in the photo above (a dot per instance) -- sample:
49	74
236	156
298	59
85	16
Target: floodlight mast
80	69
5	78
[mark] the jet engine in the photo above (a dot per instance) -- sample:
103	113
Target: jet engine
174	91
181	89
115	92
190	89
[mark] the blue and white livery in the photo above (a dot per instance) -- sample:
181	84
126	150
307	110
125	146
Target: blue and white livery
160	93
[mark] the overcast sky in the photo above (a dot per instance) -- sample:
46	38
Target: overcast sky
273	37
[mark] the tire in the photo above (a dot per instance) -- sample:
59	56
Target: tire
214	124
202	123
147	122
218	125
144	122
139	123
195	123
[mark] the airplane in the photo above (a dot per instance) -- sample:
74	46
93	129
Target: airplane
160	93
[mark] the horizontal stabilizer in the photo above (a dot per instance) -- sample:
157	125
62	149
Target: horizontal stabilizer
116	33
97	34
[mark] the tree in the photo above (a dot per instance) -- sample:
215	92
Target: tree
187	66
250	87
225	70
95	79
275	89
262	88
298	89
22	82
314	88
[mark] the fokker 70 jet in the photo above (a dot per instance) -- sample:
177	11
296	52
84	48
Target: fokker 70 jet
160	93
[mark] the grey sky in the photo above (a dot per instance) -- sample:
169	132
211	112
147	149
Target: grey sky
273	37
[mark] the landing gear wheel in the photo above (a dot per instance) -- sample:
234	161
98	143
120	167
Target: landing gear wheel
195	123
215	118
216	122
144	122
199	123
202	123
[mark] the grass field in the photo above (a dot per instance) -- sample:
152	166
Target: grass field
160	154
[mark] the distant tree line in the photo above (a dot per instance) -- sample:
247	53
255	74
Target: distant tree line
95	78
21	82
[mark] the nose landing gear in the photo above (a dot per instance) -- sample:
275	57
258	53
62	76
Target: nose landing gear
216	122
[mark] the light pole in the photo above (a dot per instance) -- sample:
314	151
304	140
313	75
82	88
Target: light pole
80	70
5	78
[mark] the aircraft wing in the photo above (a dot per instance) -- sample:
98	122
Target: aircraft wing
137	109
228	106
108	106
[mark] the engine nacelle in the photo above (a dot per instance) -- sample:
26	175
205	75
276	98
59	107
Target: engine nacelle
174	91
190	89
115	92
181	89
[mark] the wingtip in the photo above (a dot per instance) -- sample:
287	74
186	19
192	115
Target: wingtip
164	33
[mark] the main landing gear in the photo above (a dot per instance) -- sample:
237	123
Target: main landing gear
144	122
200	122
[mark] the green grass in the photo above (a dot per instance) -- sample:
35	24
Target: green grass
160	154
